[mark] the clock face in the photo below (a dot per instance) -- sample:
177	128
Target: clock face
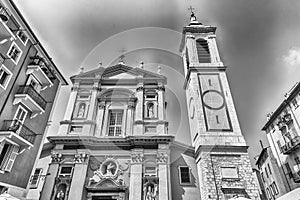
192	108
213	99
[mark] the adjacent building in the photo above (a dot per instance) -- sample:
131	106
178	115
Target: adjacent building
114	141
29	83
282	129
273	180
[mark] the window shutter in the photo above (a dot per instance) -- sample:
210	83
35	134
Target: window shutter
203	51
12	158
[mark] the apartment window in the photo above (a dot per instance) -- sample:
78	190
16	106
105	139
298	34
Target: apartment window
295	103
7	156
297	160
23	37
34	83
184	175
268	194
262	176
115	122
5	76
275	188
288	169
35	178
14	53
269	168
279	146
266	172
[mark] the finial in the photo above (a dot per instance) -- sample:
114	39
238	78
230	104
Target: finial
121	61
99	64
142	65
81	69
158	69
193	19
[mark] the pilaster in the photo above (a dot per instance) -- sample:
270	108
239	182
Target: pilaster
130	110
136	171
163	172
50	179
79	174
139	127
99	119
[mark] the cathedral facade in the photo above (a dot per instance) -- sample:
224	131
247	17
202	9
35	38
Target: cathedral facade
114	141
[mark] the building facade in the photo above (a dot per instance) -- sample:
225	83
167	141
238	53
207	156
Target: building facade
274	182
29	82
282	129
114	141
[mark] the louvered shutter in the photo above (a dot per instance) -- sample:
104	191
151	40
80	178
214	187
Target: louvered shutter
203	51
11	159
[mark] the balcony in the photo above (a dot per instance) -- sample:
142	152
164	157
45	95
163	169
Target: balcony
296	176
38	68
5	33
291	146
31	98
17	133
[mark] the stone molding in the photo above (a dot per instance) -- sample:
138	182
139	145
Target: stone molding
56	157
140	88
162	158
137	158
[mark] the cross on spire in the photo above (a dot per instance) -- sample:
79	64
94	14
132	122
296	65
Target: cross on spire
191	9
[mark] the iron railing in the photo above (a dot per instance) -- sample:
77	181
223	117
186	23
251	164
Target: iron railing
33	94
291	145
296	176
20	129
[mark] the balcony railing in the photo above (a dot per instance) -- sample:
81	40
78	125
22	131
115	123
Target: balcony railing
296	177
33	94
20	129
291	146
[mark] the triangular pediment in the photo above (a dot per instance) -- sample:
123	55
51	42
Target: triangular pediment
119	71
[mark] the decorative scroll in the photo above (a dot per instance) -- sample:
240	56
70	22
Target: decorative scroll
56	157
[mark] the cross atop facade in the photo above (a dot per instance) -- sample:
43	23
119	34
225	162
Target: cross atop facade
191	9
122	51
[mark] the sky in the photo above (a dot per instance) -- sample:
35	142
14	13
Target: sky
258	40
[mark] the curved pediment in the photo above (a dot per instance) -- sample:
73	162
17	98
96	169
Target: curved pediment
117	93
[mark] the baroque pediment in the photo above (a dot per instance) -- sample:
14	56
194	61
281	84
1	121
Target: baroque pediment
118	71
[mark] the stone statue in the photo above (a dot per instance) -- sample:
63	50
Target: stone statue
60	195
151	110
81	111
109	169
151	193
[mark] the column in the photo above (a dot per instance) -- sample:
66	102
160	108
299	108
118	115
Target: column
129	119
50	179
89	128
78	178
163	174
100	119
136	171
139	126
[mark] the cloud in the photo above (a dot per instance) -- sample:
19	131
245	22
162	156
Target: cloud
293	57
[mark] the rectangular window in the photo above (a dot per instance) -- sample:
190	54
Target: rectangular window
14	53
7	156
184	174
266	172
76	129
115	123
289	171
295	103
66	171
35	178
262	176
23	37
5	76
297	160
269	169
275	188
34	83
150	129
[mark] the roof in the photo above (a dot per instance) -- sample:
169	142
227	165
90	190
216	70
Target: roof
288	98
110	71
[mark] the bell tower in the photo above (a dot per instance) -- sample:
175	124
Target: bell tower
223	163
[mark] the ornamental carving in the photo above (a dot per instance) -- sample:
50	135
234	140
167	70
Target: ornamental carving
110	170
162	158
80	158
131	105
141	88
101	105
56	157
137	158
161	88
74	88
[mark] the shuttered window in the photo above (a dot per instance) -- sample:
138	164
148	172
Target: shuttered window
203	51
